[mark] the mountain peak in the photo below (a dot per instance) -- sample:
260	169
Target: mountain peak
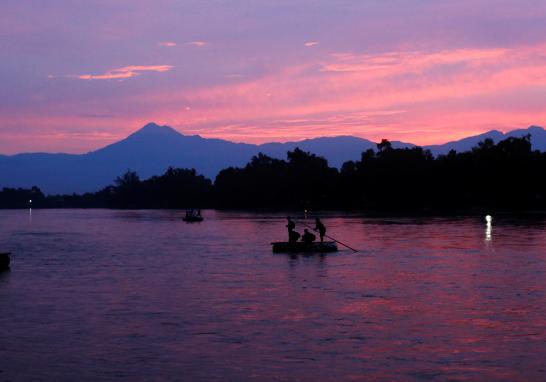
496	133
153	129
150	125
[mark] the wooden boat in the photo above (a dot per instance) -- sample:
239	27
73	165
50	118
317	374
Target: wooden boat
300	246
192	218
4	260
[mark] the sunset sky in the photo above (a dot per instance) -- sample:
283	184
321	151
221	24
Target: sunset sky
79	74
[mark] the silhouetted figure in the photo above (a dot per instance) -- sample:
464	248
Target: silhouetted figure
320	228
293	236
199	212
308	237
291	226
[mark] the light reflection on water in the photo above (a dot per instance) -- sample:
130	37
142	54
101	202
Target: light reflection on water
140	295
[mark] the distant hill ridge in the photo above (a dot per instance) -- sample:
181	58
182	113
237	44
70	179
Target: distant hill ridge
152	149
538	140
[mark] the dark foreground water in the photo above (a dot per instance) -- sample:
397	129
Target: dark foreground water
141	296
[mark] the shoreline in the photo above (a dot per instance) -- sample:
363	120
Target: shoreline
325	212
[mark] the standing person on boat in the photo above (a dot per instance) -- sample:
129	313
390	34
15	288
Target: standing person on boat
320	228
291	225
308	237
293	236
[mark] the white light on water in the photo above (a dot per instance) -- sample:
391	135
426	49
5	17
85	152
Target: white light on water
488	228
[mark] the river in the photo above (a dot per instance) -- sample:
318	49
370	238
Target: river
97	295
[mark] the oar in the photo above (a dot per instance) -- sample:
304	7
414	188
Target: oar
331	238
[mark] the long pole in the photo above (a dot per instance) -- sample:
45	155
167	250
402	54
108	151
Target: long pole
331	238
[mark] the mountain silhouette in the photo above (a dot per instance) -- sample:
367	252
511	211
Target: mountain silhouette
152	149
538	140
337	150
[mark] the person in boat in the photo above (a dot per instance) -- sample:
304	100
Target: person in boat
320	228
293	236
291	225
308	237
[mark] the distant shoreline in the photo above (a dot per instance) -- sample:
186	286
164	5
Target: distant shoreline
504	177
152	149
482	212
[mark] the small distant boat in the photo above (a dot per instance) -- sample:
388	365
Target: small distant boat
192	218
4	260
300	247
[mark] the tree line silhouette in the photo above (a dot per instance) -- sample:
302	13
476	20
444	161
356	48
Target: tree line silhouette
494	177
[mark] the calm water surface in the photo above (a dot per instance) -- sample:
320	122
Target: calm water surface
141	296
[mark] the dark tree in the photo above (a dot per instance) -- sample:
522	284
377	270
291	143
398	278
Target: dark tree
21	198
303	181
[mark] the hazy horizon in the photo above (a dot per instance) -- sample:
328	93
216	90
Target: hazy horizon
252	143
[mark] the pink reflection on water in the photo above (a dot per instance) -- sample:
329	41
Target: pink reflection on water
95	294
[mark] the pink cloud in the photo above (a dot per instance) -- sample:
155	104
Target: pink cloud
198	44
391	63
168	44
125	72
423	97
310	44
358	94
